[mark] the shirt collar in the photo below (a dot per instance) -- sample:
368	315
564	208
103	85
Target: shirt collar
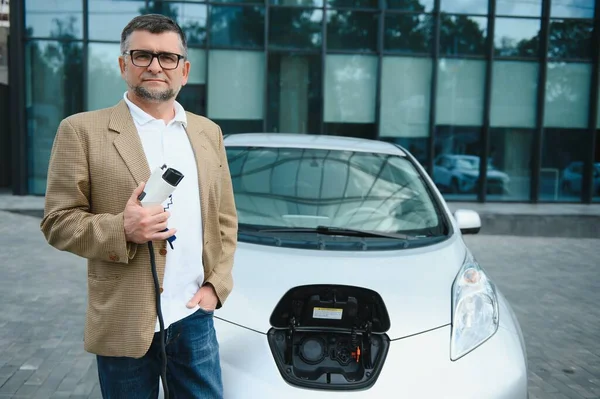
142	118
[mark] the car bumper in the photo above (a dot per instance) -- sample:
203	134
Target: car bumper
416	367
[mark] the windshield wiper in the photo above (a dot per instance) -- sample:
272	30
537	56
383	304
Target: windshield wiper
336	231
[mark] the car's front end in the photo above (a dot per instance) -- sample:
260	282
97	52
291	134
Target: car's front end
357	284
417	366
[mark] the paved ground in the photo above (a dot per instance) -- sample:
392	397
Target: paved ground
552	283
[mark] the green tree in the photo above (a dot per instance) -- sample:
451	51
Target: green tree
570	39
461	35
406	5
295	28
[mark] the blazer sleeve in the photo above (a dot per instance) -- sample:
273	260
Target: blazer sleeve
221	278
68	224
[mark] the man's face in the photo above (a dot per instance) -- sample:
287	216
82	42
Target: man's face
154	83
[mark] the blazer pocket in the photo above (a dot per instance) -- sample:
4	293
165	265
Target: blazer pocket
100	278
105	294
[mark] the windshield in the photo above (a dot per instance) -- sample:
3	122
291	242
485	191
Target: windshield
289	188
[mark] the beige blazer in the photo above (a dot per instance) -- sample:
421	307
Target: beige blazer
97	161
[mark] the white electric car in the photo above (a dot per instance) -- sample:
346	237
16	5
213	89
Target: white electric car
352	280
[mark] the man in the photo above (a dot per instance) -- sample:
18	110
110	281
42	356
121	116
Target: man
98	166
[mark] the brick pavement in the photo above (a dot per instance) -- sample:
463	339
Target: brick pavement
552	283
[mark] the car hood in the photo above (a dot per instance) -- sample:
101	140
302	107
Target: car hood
415	284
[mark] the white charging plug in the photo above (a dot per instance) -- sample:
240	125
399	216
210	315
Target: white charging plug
160	186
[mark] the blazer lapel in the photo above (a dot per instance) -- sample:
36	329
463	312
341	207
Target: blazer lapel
199	143
128	142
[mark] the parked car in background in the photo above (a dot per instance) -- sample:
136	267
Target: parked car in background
352	280
460	173
572	177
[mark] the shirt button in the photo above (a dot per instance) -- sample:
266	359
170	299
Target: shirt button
162	251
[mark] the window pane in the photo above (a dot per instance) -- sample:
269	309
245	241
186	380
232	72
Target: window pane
232	126
192	97
359	130
563	150
236	84
239	1
460	94
54	74
295	28
353	3
464	7
573	179
4	56
567	95
598	109
596	170
304	3
529	8
514	94
462	35
53	18
105	84
107	18
572	8
456	162
237	26
405	94
570	39
191	17
509	167
517	37
351	30
408	33
295	94
350	88
411	5
197	59
418	147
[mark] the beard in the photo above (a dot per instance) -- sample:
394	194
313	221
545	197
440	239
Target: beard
155	96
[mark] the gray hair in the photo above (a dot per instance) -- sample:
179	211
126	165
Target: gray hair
153	23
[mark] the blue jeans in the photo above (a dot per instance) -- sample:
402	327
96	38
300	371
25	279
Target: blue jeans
193	367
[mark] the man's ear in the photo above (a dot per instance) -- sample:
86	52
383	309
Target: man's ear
122	65
186	72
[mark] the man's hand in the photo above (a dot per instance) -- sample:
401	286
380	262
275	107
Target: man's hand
145	224
206	298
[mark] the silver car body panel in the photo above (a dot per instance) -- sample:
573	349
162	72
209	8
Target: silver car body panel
415	285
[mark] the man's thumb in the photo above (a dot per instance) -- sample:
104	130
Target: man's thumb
138	190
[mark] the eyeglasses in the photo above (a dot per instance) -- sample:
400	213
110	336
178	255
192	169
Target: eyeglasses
143	58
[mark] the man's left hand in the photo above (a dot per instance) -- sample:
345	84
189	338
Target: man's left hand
205	298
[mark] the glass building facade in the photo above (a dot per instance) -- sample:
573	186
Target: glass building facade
506	89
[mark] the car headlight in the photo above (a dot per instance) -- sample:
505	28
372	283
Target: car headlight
474	309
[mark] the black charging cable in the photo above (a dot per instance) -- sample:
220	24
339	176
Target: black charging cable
162	183
163	351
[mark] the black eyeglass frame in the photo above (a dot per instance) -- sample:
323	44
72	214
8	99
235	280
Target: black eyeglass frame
153	56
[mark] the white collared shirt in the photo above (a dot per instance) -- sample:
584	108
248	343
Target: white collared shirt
168	144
